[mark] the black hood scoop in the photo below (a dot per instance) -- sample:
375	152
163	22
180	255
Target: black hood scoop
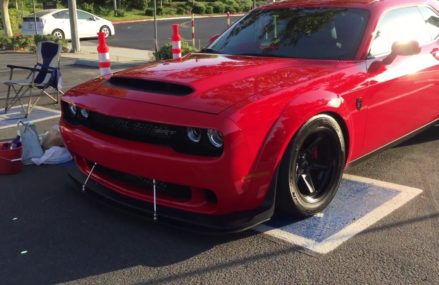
151	86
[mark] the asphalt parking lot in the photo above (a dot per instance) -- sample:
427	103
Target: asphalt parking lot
52	233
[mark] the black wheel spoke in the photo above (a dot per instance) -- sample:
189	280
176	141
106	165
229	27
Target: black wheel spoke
308	182
314	143
319	166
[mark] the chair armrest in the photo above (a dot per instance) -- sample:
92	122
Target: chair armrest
23	67
32	69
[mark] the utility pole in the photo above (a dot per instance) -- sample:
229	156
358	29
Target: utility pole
115	5
74	26
35	17
156	42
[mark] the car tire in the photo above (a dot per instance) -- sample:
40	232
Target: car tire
106	30
312	168
59	34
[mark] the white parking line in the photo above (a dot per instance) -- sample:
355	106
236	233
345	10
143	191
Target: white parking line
329	244
56	114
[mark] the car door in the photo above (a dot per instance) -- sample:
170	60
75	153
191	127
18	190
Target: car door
61	21
86	24
402	93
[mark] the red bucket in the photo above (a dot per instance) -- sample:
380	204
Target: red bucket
10	159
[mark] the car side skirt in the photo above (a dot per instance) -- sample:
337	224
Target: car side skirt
392	144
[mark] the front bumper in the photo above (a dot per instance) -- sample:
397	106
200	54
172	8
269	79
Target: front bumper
220	188
227	223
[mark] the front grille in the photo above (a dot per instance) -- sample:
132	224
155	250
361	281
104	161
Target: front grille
146	132
144	185
133	130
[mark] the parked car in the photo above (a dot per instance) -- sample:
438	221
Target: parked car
56	22
266	117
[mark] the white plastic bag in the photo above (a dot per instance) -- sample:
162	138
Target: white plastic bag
30	141
54	155
51	138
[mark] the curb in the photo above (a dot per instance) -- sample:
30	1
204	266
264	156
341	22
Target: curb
174	18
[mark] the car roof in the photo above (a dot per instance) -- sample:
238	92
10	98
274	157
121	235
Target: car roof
44	12
51	11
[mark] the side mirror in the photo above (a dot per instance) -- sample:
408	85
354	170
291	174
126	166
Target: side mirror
405	48
212	39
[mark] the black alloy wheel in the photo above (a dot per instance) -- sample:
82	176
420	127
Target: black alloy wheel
59	34
312	167
106	30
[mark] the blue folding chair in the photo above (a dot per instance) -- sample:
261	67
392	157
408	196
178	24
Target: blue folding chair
44	75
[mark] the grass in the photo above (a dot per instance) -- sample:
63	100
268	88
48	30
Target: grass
140	15
129	15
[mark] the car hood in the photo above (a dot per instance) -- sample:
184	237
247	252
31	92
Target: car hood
211	83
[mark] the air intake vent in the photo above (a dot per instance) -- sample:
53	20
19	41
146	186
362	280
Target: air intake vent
151	86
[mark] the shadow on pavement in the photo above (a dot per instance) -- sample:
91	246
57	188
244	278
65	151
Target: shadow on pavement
430	134
52	233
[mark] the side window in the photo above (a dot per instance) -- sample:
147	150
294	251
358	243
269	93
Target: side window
61	15
432	21
401	24
84	16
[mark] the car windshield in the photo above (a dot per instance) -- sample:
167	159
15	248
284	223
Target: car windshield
311	33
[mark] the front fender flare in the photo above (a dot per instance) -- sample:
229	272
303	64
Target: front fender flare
298	111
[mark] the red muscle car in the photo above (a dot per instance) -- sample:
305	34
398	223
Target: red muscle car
266	117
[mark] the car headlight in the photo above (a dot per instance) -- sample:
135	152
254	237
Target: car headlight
83	113
73	110
194	134
215	138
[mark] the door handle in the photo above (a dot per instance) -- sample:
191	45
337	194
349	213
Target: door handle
435	53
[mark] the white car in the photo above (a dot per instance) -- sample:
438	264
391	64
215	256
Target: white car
56	22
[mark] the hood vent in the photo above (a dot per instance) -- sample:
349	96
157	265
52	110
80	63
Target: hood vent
151	86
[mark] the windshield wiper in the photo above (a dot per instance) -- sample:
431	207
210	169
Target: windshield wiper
257	54
249	54
210	50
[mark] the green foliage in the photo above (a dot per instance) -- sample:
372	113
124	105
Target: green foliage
166	11
137	4
119	13
219	7
17	42
28	43
16	18
86	6
182	10
209	9
165	52
102	11
199	8
5	43
246	5
232	6
149	12
43	38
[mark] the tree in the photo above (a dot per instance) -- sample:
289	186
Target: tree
5	17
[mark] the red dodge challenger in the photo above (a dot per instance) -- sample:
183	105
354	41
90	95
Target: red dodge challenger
266	117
